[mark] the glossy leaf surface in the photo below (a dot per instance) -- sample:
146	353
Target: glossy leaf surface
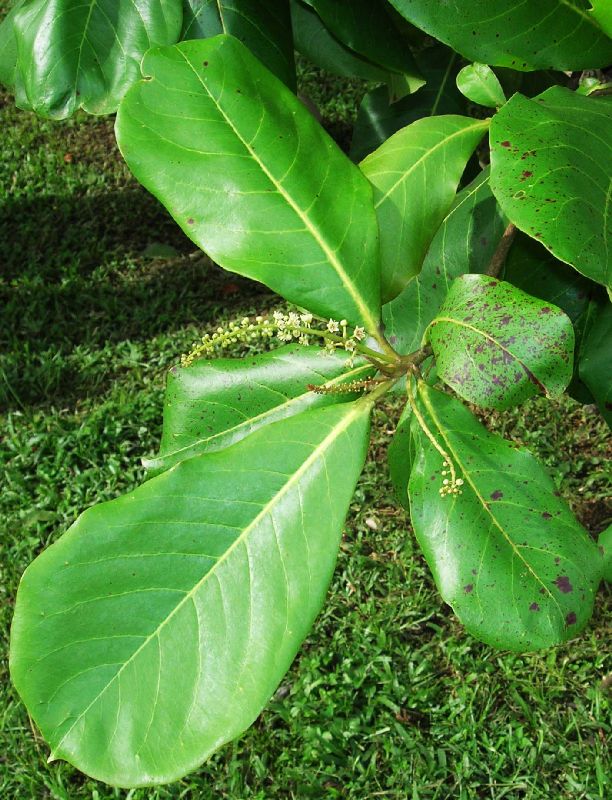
265	28
366	28
595	354
213	404
252	178
156	629
496	345
86	53
465	242
550	171
378	119
506	554
479	84
415	175
8	47
528	35
313	40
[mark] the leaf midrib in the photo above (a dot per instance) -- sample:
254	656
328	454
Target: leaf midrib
468	129
485	335
158	461
370	321
317	453
481	499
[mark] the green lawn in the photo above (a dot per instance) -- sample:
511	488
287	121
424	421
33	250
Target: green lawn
389	697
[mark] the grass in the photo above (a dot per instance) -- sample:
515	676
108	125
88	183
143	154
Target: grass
388	698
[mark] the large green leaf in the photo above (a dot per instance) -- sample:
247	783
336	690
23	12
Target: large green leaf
252	178
86	53
595	353
550	171
156	629
313	40
465	242
480	84
496	345
8	47
265	28
378	119
366	28
213	404
506	554
415	175
527	35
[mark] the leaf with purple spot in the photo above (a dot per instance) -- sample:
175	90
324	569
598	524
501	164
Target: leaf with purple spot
496	346
507	554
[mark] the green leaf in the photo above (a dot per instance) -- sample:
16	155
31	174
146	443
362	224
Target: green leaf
595	354
423	162
265	28
400	457
550	171
378	119
602	11
157	628
211	405
496	345
541	34
465	242
479	84
506	554
314	41
86	53
8	47
605	545
366	28
252	178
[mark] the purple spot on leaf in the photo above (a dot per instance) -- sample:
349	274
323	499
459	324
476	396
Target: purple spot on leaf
563	584
497	495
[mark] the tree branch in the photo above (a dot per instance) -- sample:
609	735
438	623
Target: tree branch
499	256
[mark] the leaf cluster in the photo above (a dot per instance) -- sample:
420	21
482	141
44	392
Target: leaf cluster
458	258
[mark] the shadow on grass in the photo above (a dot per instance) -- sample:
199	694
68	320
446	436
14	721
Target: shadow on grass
75	283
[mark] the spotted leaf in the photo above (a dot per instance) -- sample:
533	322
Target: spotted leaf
551	162
506	553
496	345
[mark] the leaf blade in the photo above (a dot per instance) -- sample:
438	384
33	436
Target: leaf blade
550	172
398	171
479	84
254	199
264	29
497	346
53	77
224	653
518	579
211	405
549	34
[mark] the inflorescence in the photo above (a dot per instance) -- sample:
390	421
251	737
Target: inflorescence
450	485
285	327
